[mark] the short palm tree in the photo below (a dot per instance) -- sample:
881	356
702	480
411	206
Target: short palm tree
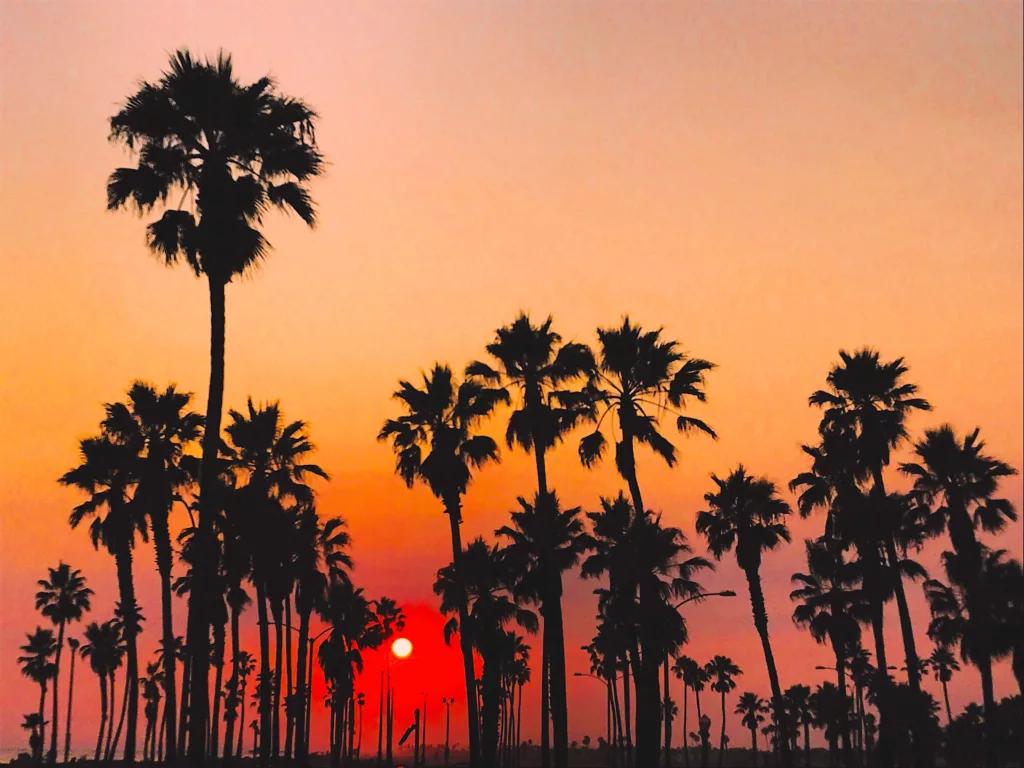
746	513
694	678
102	649
37	666
62	598
34	724
943	664
546	541
246	665
798	698
441	419
752	708
161	424
108	473
723	673
532	361
73	646
230	150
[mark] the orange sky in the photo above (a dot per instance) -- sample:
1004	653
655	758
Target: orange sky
769	182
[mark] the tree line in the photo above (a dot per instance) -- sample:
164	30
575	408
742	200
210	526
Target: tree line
214	154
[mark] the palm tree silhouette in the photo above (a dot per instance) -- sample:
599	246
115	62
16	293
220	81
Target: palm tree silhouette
34	724
107	472
37	666
102	649
747	513
638	377
529	362
830	605
390	619
441	418
73	645
161	424
151	684
722	672
545	542
231	150
943	664
62	598
245	665
830	709
752	707
694	678
799	699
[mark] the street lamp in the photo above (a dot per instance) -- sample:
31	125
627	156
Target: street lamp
447	702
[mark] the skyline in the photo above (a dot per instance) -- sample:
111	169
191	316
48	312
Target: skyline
882	207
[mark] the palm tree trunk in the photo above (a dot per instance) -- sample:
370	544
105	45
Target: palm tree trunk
807	744
38	756
844	725
110	721
71	694
616	716
218	681
309	698
289	705
454	511
721	741
275	740
241	723
988	698
489	716
125	705
667	714
945	696
556	660
686	704
761	624
164	563
186	669
545	698
264	689
205	563
519	731
129	610
885	721
103	718
628	717
299	706
648	698
380	721
232	717
753	743
160	737
52	755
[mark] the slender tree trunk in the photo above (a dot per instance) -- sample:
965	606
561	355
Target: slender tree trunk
160	737
125	704
686	703
807	744
186	670
71	694
885	721
380	721
103	718
299	705
129	609
110	721
617	716
309	699
945	697
988	698
289	702
265	674
519	732
721	742
648	721
218	681
489	716
556	661
753	743
629	716
52	756
164	564
38	752
844	725
667	714
241	724
275	740
545	698
232	713
453	508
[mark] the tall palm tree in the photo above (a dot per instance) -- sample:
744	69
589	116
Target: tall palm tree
441	419
723	673
485	585
640	376
799	698
102	649
161	424
37	666
752	707
694	678
746	512
229	150
108	474
871	400
546	541
62	598
532	360
829	606
73	645
943	664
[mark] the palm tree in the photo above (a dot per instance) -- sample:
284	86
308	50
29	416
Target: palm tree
230	149
73	644
34	724
723	672
101	648
694	678
484	585
62	598
107	473
532	360
752	707
638	376
245	665
36	665
943	664
799	698
830	605
151	685
161	424
870	400
441	418
830	711
746	513
545	542
390	619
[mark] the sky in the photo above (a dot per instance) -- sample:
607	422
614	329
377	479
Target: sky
769	182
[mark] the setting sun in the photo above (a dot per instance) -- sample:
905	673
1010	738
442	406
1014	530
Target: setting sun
401	647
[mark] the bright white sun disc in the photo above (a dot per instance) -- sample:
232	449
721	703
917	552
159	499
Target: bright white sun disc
401	647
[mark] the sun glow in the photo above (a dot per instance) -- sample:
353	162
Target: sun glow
401	647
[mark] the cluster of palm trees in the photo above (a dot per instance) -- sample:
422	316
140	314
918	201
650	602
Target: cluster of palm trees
213	154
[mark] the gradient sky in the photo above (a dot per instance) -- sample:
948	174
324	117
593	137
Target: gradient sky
770	182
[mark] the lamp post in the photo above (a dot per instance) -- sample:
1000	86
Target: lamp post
447	702
667	704
608	711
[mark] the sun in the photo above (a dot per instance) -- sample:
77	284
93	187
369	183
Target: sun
401	647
